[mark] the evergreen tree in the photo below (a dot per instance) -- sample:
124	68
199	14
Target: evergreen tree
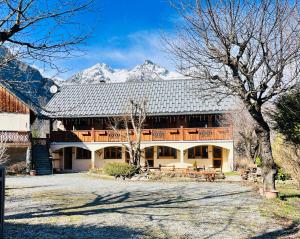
287	115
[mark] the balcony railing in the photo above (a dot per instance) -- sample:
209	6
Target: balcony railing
14	137
174	134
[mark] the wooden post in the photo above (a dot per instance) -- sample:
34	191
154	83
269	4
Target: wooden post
182	132
93	135
209	120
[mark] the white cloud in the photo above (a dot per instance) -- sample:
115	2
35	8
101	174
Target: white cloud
140	46
122	52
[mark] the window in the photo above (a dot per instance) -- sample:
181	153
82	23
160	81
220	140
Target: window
113	153
166	152
83	153
217	152
198	152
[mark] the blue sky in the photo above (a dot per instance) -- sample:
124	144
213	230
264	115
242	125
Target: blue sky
126	32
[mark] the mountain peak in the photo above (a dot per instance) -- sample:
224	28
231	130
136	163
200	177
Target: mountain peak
101	66
148	62
101	72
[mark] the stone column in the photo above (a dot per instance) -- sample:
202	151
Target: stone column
93	154
181	156
230	159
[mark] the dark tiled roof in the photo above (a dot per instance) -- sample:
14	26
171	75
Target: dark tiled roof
111	99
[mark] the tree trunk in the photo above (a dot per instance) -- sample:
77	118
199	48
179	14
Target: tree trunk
262	131
268	165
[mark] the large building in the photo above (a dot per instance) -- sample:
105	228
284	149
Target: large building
183	125
16	116
18	113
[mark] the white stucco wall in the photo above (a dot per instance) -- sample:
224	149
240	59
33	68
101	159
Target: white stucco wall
14	122
97	150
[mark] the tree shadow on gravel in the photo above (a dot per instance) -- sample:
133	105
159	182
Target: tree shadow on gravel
120	203
291	230
25	187
46	231
144	203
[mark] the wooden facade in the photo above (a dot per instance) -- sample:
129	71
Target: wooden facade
174	134
13	110
156	128
11	104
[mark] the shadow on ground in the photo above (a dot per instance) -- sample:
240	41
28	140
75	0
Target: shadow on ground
46	231
119	203
286	232
156	206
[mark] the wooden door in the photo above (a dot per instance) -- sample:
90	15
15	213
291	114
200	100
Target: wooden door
68	158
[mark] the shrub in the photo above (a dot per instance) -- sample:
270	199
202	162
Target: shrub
119	169
17	168
287	156
281	175
258	161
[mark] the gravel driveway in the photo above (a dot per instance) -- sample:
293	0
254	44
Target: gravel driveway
79	206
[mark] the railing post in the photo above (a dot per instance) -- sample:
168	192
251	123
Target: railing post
182	132
93	135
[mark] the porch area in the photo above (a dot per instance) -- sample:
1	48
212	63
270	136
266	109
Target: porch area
82	157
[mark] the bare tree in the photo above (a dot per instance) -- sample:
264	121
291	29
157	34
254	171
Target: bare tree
248	49
3	152
246	145
130	127
41	30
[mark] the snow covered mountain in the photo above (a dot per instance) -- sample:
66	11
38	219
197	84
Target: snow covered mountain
148	71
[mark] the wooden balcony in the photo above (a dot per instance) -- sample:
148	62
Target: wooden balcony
175	134
11	138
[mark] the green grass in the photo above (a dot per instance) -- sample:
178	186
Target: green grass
233	173
286	206
99	174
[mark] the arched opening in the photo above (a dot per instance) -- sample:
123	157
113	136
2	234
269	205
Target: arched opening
207	157
160	155
71	159
109	154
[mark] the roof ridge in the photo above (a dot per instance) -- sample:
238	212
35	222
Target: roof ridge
128	82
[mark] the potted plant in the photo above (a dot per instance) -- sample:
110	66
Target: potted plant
195	166
32	172
271	194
